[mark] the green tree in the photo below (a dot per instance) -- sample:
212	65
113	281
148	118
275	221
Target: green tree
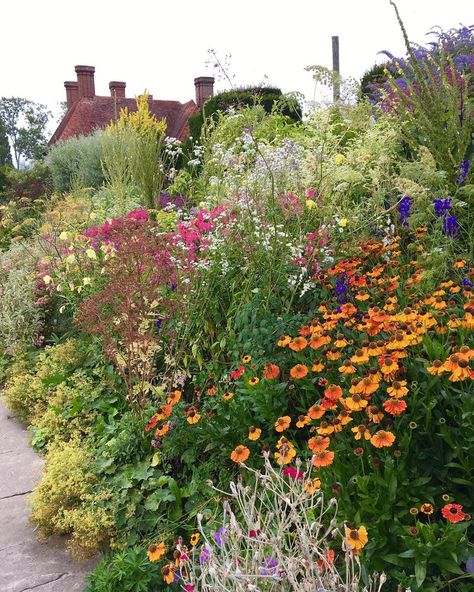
24	124
5	156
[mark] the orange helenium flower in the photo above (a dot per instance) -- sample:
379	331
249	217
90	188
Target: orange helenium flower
324	458
398	390
312	485
333	392
282	423
192	416
316	411
240	454
299	371
254	433
394	406
284	341
355	403
361	431
298	344
163	412
168	573
382	439
302	421
271	371
318	444
174	397
162	430
357	538
347	367
155	552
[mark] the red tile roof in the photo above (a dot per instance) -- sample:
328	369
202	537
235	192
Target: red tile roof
88	114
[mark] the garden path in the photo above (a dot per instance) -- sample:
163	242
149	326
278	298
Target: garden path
25	562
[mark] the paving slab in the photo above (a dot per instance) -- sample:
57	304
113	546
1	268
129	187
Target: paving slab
26	562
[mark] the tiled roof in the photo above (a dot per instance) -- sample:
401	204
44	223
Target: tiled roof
89	114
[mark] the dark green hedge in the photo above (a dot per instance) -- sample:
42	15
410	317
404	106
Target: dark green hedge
372	79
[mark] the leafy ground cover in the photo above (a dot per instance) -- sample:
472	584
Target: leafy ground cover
272	356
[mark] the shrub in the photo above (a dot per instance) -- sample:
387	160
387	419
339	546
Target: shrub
31	382
132	148
66	213
76	163
135	298
67	480
430	94
64	502
31	183
268	97
24	391
125	571
20	315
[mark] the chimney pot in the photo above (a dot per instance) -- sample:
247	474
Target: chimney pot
72	92
204	89
117	89
85	81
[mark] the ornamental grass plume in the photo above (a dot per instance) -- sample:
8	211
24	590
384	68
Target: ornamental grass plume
275	535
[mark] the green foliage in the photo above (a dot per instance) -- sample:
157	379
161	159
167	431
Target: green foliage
24	122
20	317
5	156
268	97
433	107
125	571
76	163
32	183
132	148
110	202
63	502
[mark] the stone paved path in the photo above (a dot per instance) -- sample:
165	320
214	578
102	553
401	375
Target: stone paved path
25	562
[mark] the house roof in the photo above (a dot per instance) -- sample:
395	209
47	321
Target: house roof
89	114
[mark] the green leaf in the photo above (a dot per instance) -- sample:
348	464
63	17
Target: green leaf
407	554
395	559
420	572
449	565
461	481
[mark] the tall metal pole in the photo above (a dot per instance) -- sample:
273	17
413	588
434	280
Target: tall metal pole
336	87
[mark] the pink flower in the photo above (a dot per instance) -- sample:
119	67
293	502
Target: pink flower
293	473
137	215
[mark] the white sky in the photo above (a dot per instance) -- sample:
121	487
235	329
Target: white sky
162	45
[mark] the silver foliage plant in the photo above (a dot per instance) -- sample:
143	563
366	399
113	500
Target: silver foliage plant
274	537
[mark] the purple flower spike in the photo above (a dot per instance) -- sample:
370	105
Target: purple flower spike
404	209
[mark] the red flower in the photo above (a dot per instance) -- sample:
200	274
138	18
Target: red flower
453	512
254	533
237	373
151	424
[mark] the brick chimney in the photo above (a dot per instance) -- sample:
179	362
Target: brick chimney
117	89
204	89
85	81
72	92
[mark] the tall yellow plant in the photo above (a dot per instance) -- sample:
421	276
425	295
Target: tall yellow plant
132	147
